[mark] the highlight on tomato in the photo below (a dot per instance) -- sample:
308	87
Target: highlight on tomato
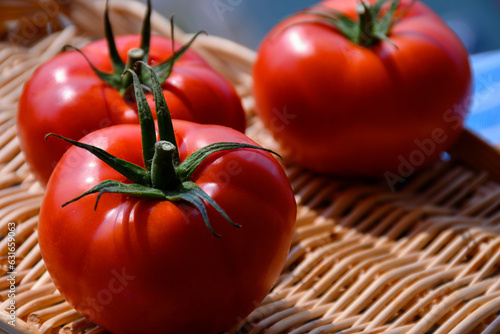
376	88
80	91
185	234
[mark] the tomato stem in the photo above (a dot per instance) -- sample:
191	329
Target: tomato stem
372	26
164	176
366	25
163	169
116	78
134	56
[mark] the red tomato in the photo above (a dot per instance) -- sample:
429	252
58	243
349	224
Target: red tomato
138	265
384	109
66	97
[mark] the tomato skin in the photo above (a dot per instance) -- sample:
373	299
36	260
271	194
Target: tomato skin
64	96
345	109
146	266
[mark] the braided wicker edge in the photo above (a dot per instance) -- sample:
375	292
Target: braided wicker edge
311	226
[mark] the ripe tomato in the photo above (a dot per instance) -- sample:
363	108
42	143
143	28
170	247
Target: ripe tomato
65	96
143	261
355	106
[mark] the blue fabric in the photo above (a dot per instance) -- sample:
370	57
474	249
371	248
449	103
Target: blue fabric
484	116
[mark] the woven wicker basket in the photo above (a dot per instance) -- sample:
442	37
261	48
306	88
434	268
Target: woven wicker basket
424	259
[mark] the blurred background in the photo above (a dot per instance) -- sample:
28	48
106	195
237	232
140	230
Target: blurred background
247	21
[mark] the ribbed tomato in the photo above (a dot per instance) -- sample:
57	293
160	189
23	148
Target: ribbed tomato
66	96
372	88
142	260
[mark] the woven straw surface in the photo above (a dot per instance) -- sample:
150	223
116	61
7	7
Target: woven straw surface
424	259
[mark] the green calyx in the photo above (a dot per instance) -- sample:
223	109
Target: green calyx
164	176
123	83
372	26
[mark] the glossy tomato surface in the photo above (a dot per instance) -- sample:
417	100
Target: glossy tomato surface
346	109
137	265
66	97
